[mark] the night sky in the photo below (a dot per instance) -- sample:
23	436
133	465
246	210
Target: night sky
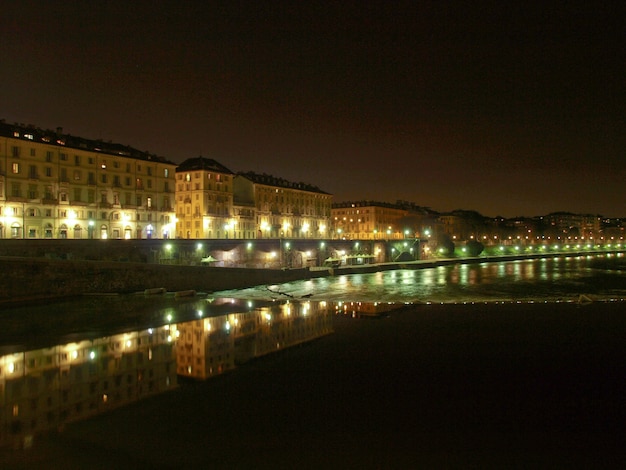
507	108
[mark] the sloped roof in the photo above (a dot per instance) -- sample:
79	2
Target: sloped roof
203	163
270	180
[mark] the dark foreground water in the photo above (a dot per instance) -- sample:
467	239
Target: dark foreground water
483	383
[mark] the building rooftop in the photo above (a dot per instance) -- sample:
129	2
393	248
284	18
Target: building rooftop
30	133
270	180
400	205
203	163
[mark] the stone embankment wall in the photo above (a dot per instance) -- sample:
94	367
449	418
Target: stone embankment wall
25	279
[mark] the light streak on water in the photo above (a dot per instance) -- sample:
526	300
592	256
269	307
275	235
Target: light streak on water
527	280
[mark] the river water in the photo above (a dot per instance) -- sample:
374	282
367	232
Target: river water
550	279
72	360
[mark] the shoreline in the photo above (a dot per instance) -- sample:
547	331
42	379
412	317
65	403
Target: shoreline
41	280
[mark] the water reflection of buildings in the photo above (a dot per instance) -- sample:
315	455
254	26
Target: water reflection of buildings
210	346
365	309
42	389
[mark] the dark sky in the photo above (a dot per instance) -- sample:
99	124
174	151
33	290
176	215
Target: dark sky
507	108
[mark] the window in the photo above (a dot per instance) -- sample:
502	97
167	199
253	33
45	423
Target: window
149	183
90	160
32	172
138	200
63	156
15	151
77	160
139	183
127	181
32	191
166	172
138	168
77	194
15	168
76	175
149	202
149	170
166	187
49	156
116	164
48	171
32	152
64	175
103	178
91	178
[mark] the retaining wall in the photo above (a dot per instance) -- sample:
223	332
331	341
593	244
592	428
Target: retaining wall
25	279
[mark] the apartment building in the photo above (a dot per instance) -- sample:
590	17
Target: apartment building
283	209
204	200
374	220
54	185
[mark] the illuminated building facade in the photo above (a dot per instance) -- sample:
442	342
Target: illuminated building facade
284	209
54	185
204	200
372	220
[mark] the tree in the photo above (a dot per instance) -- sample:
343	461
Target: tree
474	247
445	245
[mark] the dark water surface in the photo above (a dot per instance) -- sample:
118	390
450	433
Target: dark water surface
487	379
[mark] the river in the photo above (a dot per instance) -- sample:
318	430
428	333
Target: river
398	352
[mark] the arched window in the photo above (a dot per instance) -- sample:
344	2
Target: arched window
78	233
63	231
104	234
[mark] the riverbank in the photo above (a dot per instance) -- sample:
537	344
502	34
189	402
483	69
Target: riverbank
35	279
429	386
